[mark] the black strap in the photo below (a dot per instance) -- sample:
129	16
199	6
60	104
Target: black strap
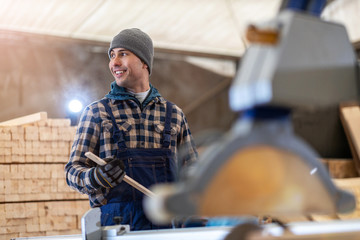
118	135
167	127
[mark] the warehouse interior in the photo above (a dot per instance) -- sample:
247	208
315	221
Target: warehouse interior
56	51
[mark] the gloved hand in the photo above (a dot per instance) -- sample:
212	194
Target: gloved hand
110	174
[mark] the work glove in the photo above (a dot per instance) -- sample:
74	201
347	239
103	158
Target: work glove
110	174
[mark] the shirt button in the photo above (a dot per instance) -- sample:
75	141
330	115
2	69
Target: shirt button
142	144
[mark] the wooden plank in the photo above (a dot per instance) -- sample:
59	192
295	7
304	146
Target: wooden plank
32	118
350	118
342	168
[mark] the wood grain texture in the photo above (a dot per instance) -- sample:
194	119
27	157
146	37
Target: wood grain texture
29	119
350	118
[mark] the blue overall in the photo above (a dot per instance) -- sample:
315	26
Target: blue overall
146	166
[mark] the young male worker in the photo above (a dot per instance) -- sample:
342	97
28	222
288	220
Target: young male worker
134	129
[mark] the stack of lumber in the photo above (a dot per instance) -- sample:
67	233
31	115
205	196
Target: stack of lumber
34	197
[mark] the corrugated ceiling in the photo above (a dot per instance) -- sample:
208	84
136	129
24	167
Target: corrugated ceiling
215	26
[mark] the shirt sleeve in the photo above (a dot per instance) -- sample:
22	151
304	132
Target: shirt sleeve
186	146
79	167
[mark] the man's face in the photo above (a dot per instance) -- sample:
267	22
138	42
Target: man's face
128	70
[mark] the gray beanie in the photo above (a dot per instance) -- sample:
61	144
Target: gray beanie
137	42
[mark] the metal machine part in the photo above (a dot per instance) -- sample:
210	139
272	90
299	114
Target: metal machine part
259	168
312	64
92	229
332	230
90	224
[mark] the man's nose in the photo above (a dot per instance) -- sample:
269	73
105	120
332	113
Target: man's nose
116	60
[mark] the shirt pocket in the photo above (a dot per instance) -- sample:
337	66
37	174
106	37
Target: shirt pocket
108	128
158	132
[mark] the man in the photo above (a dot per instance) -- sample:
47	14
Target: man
134	129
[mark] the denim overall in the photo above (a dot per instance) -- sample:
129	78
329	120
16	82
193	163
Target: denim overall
146	166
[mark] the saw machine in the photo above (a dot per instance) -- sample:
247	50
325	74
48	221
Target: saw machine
260	167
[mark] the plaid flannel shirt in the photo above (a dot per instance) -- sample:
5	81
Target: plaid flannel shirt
142	127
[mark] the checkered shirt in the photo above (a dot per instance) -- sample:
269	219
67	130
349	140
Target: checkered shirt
142	127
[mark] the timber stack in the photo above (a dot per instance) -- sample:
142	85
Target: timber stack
34	197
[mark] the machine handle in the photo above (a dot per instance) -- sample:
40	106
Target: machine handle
126	178
262	36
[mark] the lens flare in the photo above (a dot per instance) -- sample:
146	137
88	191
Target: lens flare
75	106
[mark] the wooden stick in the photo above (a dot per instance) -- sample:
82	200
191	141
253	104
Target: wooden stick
126	178
28	119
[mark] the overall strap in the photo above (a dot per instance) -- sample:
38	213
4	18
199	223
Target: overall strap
167	127
118	135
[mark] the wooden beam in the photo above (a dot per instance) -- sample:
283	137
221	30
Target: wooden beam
340	167
24	36
32	118
350	118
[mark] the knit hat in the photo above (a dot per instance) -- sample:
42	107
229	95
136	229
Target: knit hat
137	42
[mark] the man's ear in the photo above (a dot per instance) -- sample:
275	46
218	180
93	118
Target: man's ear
145	66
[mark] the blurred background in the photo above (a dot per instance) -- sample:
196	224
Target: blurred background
55	51
53	59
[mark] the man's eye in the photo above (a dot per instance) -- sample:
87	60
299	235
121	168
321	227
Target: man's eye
112	55
123	54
